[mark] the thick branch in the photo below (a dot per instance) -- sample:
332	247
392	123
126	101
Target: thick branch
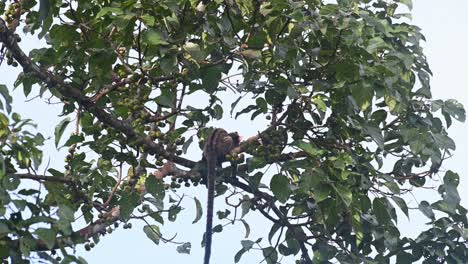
83	234
69	91
42	178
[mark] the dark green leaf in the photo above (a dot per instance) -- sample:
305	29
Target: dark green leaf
59	129
47	235
194	50
455	110
210	79
154	37
148	19
270	255
247	228
187	144
6	96
376	135
402	204
408	3
217	229
273	230
238	255
247	244
426	209
2	167
109	10
279	185
363	95
184	248
153	233
44	9
155	187
128	202
345	194
174	210
199	210
273	97
4	230
310	148
381	211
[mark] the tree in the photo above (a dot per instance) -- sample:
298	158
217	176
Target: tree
352	126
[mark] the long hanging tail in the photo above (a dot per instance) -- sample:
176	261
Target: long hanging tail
209	207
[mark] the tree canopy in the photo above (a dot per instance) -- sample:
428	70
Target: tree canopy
342	86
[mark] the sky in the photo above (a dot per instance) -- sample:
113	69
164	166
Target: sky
444	23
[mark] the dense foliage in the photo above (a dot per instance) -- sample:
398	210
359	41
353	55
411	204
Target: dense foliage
343	86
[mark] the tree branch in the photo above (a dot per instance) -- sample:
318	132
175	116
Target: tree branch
71	92
93	229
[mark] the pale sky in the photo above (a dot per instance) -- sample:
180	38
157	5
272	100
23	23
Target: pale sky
444	23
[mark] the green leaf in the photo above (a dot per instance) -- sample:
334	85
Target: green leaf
376	135
27	243
310	148
273	230
247	228
234	104
402	204
279	185
174	210
199	210
106	10
255	163
436	105
155	187
251	54
451	178
451	196
455	110
404	258
44	9
194	50
4	230
2	167
47	235
348	71
128	202
274	97
153	233
210	79
218	229
380	210
164	100
169	63
321	105
6	95
245	205
247	110
408	3
157	217
66	213
148	19
375	44
59	129
184	248
247	244
270	255
363	94
345	194
292	93
426	209
238	255
187	144
154	37
443	141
